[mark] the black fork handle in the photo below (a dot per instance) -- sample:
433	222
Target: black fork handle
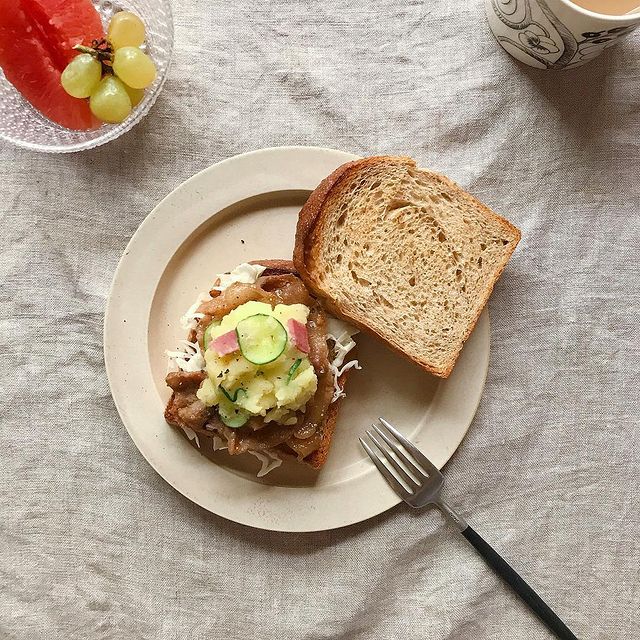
510	576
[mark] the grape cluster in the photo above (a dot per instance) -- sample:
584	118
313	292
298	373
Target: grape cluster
113	74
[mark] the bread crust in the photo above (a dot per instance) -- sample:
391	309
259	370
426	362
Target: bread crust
319	456
311	214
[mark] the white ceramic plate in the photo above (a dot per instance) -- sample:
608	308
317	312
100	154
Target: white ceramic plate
242	209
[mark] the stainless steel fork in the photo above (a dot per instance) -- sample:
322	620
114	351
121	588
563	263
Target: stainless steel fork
419	483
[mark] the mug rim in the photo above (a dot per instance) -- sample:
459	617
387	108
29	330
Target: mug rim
602	16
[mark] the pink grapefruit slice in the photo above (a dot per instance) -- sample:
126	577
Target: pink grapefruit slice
36	43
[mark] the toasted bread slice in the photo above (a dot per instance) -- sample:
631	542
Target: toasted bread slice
403	253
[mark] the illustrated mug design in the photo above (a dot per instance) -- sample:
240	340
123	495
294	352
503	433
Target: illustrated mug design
554	34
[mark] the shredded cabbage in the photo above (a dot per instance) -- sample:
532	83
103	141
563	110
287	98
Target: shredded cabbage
191	317
244	273
217	443
269	459
187	357
338	327
192	435
337	372
340	332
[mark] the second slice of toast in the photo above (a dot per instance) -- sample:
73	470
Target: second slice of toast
403	253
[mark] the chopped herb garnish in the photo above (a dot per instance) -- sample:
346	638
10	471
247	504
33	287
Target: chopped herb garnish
294	368
234	397
220	375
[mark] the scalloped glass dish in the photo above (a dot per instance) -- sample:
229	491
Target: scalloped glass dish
25	126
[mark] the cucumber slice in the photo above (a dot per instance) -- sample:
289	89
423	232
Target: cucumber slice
262	338
232	416
206	339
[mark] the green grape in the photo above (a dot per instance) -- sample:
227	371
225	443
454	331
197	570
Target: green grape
126	30
81	76
134	67
135	95
110	101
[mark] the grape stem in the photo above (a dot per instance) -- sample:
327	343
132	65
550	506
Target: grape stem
90	50
102	51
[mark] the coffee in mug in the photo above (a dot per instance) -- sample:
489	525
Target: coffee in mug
610	7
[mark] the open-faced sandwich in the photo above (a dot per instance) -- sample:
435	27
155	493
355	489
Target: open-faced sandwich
262	368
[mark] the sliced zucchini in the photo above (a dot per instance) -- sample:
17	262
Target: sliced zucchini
262	338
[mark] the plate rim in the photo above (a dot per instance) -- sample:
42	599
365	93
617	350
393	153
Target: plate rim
387	499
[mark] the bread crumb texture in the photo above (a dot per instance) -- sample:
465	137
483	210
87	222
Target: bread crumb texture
409	254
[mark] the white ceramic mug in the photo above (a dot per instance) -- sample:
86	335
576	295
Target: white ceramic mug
555	34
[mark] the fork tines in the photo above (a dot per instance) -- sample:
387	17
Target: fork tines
404	466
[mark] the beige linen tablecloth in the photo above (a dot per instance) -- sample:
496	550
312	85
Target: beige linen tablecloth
95	545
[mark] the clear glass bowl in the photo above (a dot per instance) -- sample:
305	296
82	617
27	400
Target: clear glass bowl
25	126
